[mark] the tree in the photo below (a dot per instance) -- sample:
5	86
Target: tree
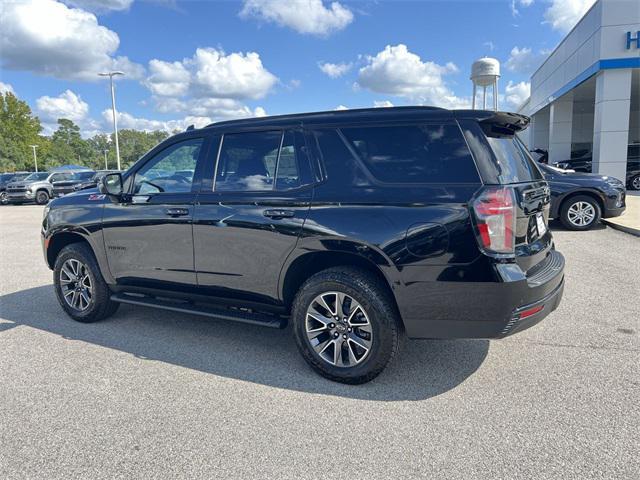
134	144
68	147
19	129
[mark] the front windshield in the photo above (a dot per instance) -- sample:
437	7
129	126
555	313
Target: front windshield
37	176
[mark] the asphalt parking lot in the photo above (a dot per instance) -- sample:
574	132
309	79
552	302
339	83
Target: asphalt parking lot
151	394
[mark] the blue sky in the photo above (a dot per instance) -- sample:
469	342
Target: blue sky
201	61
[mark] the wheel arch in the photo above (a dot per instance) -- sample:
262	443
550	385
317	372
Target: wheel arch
587	193
310	263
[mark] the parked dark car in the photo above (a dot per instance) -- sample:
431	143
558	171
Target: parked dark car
93	181
584	164
579	200
358	227
5	178
68	185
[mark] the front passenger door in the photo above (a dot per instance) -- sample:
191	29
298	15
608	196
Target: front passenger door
148	237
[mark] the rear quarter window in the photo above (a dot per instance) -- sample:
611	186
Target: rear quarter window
513	160
414	153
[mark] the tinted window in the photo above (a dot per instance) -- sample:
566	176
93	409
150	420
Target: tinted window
287	172
164	172
247	161
84	175
414	153
513	160
60	177
341	168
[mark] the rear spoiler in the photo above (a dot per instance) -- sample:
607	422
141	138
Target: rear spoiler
495	123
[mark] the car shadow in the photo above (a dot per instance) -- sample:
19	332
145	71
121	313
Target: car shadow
423	369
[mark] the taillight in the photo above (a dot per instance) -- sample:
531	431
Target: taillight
495	215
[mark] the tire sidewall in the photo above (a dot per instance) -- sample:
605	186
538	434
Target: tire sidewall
382	326
78	254
635	178
564	215
45	195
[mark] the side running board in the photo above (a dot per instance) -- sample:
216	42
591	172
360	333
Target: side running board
253	318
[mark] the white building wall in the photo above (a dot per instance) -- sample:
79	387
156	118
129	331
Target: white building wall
599	35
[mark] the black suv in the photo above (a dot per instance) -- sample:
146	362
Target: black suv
357	227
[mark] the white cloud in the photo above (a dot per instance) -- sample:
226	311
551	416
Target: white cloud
563	15
524	3
66	105
516	93
304	16
100	6
524	60
217	108
6	88
48	38
236	75
397	71
128	121
382	103
211	73
168	78
334	70
341	107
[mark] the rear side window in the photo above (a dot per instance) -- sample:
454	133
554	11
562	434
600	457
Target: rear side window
259	161
414	153
513	160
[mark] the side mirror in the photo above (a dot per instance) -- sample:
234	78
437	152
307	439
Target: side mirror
111	184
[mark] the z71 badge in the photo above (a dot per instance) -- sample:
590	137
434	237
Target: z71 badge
94	197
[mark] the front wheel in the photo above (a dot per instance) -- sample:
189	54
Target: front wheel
42	197
580	213
346	325
4	198
634	182
80	288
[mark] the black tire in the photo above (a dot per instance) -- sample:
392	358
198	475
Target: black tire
381	310
634	182
566	212
42	197
4	198
100	305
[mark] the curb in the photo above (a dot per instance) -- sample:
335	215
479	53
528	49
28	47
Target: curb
622	228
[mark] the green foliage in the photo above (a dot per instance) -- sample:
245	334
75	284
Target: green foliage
19	129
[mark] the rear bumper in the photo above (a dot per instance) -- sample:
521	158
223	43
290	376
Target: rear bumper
484	309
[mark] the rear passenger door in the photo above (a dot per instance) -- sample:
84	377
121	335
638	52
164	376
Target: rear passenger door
249	215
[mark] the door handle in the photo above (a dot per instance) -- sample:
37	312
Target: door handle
278	213
177	212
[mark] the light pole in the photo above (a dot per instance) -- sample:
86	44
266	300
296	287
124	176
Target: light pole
35	157
113	110
105	159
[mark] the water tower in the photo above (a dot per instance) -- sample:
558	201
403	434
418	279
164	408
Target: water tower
485	73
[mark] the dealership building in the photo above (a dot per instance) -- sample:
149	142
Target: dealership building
586	95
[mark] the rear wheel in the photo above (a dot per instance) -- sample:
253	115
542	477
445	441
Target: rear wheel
580	213
80	288
634	182
42	197
346	325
